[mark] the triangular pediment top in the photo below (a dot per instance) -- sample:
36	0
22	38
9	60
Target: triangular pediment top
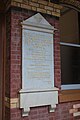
38	21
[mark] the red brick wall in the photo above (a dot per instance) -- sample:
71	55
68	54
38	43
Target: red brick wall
15	67
14	40
42	113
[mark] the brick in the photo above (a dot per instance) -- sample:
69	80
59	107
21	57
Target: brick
34	4
57	6
48	8
25	2
76	106
50	4
18	1
34	0
73	111
41	10
56	14
34	8
57	10
33	112
48	12
42	6
54	9
15	4
26	6
13	115
43	2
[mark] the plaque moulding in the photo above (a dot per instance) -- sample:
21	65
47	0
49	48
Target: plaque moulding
37	65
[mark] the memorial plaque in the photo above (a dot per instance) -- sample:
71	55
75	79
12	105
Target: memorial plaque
37	60
37	65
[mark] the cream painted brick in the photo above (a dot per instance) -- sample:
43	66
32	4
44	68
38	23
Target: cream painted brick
57	10
48	12
25	6
54	9
43	2
41	10
34	4
48	8
42	6
13	105
76	106
50	4
18	1
18	4
25	1
57	6
34	0
14	100
15	4
34	8
76	114
56	14
73	111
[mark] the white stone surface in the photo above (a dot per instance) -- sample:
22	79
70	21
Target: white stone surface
38	98
37	60
37	65
76	114
38	21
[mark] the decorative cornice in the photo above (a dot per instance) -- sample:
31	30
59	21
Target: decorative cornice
71	3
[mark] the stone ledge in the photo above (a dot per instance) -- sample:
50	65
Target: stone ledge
28	99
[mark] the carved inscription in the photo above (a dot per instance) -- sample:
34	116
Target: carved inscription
37	59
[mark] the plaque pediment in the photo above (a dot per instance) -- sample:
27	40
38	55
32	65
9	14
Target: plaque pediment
38	21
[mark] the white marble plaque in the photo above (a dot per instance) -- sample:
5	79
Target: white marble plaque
37	60
37	65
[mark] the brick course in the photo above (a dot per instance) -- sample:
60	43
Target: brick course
43	6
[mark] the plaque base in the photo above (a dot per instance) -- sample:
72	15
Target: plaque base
34	98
